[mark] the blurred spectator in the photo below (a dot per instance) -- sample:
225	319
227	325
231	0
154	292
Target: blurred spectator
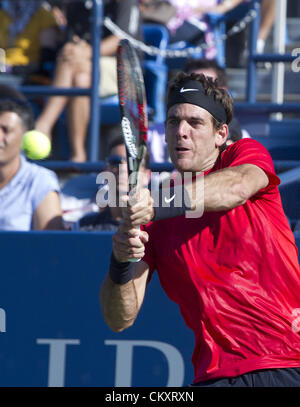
9	92
110	217
236	51
267	17
28	193
78	197
74	67
190	24
28	34
209	67
157	11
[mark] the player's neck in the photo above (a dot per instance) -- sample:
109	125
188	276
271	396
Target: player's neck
211	161
205	165
9	170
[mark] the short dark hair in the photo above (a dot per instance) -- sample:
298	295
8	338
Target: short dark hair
10	92
202	63
211	87
117	141
235	131
21	108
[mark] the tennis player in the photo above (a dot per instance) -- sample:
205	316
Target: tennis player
234	271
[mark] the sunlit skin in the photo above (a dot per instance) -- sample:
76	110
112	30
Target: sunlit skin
193	142
48	213
11	133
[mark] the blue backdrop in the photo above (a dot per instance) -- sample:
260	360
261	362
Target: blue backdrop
51	328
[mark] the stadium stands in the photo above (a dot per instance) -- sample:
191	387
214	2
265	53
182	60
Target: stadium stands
155	73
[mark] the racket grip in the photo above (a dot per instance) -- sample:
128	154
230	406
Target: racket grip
135	260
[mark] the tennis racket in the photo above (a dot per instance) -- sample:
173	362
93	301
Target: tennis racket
133	109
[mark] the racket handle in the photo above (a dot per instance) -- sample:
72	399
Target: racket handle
135	260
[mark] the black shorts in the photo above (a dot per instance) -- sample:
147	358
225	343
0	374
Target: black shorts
286	377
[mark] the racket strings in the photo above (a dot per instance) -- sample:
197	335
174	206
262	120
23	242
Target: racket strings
130	98
133	109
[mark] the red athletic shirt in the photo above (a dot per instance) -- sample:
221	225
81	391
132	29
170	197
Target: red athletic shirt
235	276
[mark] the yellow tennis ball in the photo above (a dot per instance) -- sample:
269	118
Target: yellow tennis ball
36	145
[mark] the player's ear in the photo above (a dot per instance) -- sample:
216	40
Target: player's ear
221	135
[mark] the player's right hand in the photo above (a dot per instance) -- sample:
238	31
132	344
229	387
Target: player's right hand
138	208
129	242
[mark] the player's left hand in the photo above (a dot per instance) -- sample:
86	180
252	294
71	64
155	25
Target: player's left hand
138	208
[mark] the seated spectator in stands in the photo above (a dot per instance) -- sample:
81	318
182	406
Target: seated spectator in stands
28	193
28	34
157	11
209	67
109	218
190	24
74	67
78	197
267	17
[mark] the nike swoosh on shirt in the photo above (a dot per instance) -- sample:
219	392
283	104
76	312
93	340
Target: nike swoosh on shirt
182	90
168	200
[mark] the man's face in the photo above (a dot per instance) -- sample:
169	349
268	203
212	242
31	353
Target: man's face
11	133
192	140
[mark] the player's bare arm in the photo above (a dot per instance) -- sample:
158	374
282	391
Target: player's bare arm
233	186
120	303
223	190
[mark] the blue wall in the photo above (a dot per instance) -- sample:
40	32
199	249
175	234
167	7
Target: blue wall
51	327
52	331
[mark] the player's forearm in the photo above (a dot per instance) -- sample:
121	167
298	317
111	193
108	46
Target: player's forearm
219	191
123	290
119	304
224	190
231	187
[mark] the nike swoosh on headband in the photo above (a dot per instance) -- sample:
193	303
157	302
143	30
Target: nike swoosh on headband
182	90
